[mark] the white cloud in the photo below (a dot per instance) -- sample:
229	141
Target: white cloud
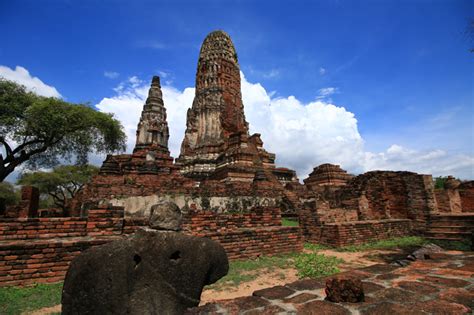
33	84
163	74
325	92
322	71
303	135
274	73
437	162
111	74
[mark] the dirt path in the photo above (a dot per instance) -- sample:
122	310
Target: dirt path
46	310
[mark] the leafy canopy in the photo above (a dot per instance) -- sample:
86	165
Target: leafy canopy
41	130
62	183
9	194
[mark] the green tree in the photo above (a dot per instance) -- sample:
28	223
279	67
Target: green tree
439	182
62	183
41	130
9	194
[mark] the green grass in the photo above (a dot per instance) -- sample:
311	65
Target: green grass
316	265
16	300
399	242
289	222
315	247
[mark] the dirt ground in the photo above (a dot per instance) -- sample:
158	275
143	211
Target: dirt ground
267	279
283	276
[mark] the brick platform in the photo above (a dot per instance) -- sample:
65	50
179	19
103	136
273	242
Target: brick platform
442	285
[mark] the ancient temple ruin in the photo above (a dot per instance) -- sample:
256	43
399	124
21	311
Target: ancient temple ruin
228	188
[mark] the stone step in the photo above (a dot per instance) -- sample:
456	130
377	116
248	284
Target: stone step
450	228
451	217
463	235
445	238
451	223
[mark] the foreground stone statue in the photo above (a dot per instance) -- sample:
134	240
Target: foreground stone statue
152	272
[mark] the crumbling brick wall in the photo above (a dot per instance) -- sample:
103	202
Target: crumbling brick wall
466	192
40	249
28	205
354	233
390	195
448	200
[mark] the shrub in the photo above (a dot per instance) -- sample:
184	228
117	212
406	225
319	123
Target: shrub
316	265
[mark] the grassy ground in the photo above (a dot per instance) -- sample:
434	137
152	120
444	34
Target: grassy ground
399	242
16	300
307	264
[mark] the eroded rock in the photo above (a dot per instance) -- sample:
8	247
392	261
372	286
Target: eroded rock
344	289
165	215
152	272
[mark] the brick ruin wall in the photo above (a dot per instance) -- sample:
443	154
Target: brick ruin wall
377	207
350	232
466	192
36	250
448	201
372	206
458	200
355	233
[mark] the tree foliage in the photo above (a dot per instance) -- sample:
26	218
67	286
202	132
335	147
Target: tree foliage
439	182
9	194
62	183
41	130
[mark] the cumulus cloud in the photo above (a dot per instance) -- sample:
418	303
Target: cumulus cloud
111	74
33	84
303	135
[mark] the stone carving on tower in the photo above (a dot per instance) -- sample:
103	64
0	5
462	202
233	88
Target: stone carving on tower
152	130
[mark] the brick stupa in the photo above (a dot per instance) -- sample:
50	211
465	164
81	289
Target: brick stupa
152	130
151	154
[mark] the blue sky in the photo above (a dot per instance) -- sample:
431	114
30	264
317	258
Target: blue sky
402	68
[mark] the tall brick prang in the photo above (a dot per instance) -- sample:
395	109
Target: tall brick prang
217	144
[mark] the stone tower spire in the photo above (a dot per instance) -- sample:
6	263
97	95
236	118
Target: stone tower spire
152	130
217	112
